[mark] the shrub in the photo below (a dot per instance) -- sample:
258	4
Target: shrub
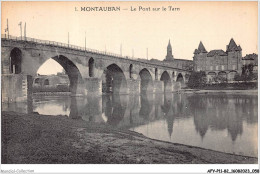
197	79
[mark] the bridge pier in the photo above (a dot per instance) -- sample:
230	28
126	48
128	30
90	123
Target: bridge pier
133	86
93	86
168	87
176	86
16	87
158	86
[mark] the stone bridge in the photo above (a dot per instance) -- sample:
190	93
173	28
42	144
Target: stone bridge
90	71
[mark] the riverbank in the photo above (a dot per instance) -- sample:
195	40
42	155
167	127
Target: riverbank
42	139
223	91
250	85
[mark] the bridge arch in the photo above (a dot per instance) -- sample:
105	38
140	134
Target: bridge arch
72	71
91	67
146	81
15	61
180	78
165	77
114	80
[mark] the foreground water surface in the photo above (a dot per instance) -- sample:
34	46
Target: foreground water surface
221	122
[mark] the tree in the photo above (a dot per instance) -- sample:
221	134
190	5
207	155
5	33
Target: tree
247	69
197	79
248	74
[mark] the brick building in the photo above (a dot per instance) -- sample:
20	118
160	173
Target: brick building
219	62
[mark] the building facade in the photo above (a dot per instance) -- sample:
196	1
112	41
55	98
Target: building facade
219	63
250	60
43	83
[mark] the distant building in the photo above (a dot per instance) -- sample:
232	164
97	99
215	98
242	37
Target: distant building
219	62
61	73
251	59
178	63
51	82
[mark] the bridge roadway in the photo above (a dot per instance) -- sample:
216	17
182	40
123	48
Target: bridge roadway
89	70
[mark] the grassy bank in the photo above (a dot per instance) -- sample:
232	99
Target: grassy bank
232	86
228	86
221	91
34	138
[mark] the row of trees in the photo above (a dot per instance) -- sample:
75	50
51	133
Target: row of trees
245	77
199	79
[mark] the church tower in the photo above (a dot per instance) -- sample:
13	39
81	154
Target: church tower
169	56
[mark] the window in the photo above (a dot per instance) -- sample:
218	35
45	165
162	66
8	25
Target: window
156	74
217	67
131	71
222	67
233	67
211	68
16	61
37	81
91	67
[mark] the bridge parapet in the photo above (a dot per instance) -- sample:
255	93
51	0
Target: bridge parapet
89	50
60	44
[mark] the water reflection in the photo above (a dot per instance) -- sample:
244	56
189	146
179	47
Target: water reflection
217	121
115	109
146	106
221	112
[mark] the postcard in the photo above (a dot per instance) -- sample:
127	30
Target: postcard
131	82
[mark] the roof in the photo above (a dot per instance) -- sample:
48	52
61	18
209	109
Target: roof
201	49
169	44
183	60
232	46
155	60
216	52
250	57
239	48
196	51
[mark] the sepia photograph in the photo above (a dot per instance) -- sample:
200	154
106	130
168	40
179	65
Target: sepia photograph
134	82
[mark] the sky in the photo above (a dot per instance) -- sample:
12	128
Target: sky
213	23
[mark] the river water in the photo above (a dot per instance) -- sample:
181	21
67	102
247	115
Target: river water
221	122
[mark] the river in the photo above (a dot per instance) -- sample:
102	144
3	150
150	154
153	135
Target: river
222	122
